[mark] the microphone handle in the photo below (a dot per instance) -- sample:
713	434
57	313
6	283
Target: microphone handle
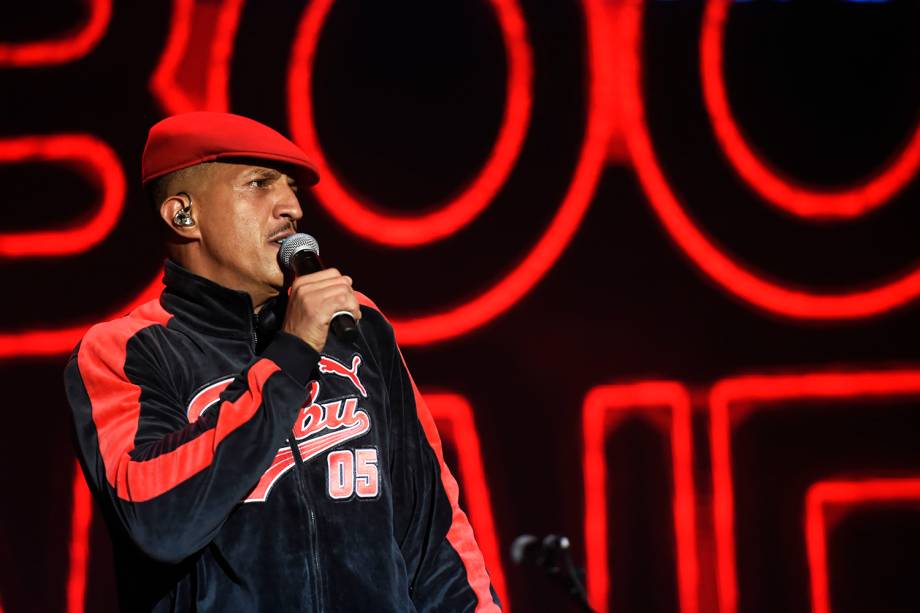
306	262
344	327
343	323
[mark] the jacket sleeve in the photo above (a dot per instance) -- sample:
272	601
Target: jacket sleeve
171	480
445	567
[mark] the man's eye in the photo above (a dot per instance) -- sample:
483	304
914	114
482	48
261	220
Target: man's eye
258	183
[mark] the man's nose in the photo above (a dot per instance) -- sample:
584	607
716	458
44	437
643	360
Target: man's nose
288	205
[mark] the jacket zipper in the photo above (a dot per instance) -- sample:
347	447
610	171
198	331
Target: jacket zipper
314	555
312	532
254	324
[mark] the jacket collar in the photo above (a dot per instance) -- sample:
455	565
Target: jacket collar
216	310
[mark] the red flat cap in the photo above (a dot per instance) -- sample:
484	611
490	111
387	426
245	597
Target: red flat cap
184	140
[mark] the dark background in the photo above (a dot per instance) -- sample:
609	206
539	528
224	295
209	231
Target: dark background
408	99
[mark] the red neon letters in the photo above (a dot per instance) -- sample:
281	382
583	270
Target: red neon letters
399	231
494	301
93	159
81	519
845	495
732	395
193	71
63	49
733	276
604	409
796	199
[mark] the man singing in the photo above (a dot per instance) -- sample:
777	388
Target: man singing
246	458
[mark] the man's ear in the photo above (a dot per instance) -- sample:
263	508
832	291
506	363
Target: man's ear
180	215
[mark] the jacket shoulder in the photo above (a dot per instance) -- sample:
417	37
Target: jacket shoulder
372	314
365	301
105	336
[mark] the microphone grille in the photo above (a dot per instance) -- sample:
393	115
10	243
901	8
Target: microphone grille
295	244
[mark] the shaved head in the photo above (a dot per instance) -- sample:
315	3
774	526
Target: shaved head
183	180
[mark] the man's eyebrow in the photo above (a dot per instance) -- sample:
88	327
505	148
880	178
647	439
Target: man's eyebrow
268	173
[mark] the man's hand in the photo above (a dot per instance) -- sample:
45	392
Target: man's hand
314	299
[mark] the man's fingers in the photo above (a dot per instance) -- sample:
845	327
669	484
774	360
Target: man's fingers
314	277
341	299
313	286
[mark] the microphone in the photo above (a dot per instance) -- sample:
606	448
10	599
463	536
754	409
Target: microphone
552	554
299	255
528	549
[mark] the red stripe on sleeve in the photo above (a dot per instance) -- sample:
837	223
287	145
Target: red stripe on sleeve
140	481
115	405
460	534
115	401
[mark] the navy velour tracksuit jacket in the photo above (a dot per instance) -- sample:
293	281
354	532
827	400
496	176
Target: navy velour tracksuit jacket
239	470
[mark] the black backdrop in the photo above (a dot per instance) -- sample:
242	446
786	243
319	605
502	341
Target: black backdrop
407	100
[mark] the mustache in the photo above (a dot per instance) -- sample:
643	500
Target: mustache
281	229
